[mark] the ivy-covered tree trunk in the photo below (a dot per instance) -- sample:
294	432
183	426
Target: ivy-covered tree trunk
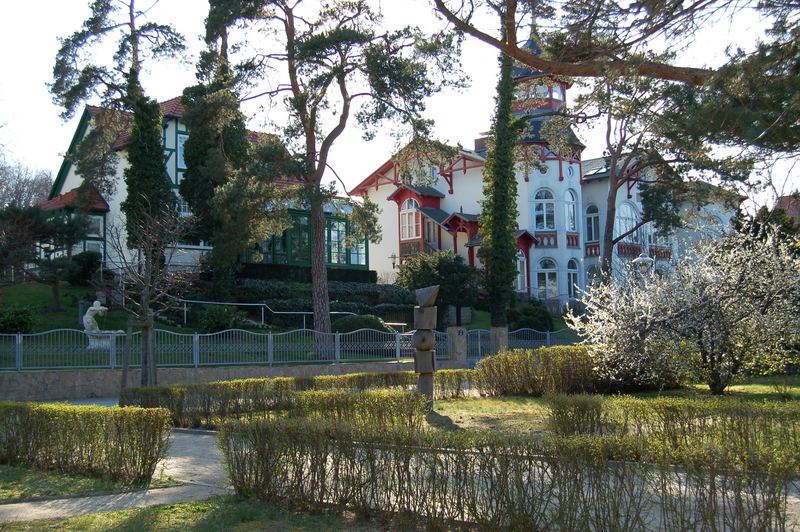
499	212
146	177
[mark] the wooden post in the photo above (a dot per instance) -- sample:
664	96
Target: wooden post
424	341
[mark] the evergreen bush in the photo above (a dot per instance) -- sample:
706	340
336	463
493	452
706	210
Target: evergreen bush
530	316
214	318
15	319
347	324
121	444
84	266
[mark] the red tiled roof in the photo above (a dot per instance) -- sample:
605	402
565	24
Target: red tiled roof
790	204
172	108
85	198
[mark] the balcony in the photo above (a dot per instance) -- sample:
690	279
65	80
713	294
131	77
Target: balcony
626	249
573	240
592	250
661	252
546	239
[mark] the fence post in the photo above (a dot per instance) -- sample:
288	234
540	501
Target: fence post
338	348
18	352
549	340
480	344
262	315
112	350
196	349
184	313
270	349
397	346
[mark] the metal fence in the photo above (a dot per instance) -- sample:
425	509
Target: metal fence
72	348
480	342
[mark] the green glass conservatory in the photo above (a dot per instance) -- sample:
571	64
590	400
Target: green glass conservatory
293	247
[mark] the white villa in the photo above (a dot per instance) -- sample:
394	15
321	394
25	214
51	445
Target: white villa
561	206
287	255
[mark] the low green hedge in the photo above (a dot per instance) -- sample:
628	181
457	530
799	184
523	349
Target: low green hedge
543	371
203	405
507	481
122	444
750	426
206	405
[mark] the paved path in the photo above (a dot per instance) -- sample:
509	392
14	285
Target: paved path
193	459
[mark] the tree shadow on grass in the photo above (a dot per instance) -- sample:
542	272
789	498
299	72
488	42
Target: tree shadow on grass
435	419
232	513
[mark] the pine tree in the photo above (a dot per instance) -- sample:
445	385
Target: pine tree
498	222
217	149
338	62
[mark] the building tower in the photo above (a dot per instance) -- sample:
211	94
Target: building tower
549	188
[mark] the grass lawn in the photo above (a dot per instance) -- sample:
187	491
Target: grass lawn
529	414
490	413
480	320
19	483
38	297
220	513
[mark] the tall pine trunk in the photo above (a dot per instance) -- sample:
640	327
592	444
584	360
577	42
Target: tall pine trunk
607	250
319	280
55	289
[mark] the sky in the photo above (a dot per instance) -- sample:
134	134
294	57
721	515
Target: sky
32	132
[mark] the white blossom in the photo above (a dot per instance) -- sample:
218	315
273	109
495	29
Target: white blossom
728	306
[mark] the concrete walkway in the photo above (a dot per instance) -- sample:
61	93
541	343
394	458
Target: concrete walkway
193	459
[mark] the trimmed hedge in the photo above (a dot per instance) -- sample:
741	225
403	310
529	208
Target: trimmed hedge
204	405
543	371
121	444
747	425
507	481
347	324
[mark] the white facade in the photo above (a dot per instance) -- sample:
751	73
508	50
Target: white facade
566	216
175	134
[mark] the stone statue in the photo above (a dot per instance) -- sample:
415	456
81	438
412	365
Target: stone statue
97	339
89	321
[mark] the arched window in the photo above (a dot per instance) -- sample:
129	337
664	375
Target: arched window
547	279
569	210
522	273
592	223
572	279
409	220
544	211
593	275
627	218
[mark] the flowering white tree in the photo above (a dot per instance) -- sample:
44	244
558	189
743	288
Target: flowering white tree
623	324
731	305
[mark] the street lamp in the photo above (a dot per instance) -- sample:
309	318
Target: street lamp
643	263
393	256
